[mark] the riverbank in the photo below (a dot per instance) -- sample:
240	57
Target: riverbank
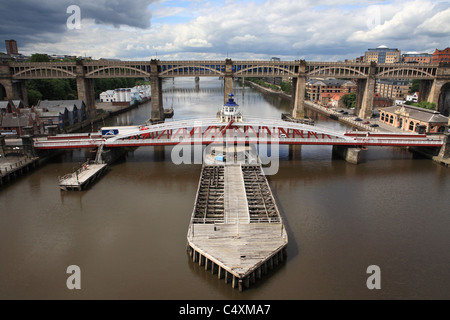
270	91
104	110
12	167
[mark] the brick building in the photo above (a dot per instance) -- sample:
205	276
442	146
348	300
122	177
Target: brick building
415	57
11	47
394	89
316	89
441	56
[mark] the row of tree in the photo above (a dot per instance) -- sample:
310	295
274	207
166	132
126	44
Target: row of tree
349	100
66	89
285	86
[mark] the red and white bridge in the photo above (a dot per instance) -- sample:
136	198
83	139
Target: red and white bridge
248	131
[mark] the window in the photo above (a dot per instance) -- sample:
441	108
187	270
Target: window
411	126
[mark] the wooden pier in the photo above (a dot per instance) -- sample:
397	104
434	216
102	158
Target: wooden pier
236	229
13	167
82	177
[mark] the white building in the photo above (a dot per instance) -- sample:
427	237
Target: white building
413	97
126	94
107	96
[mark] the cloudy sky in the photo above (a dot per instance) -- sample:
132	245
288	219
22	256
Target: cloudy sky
246	29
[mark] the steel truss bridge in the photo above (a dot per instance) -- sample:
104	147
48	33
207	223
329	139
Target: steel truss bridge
250	131
284	69
433	77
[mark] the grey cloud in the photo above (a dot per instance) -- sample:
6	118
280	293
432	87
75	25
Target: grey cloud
30	21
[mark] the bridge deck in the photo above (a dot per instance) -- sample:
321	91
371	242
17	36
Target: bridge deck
239	248
235	205
236	228
251	130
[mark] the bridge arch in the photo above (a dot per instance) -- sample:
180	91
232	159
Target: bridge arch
180	69
444	100
275	69
395	71
330	71
102	71
63	73
3	95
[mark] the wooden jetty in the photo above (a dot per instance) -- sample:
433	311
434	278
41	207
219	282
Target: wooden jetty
85	175
13	167
236	229
82	177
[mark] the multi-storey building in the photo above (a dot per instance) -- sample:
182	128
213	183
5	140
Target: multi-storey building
11	47
382	54
415	57
394	89
317	88
441	56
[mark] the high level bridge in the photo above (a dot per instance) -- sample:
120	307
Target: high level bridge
435	79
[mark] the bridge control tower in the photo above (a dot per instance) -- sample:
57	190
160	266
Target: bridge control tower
230	111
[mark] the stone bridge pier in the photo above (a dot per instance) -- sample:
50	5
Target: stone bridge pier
438	90
85	89
228	79
14	89
364	94
156	90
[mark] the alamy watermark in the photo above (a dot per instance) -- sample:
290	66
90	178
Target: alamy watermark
374	280
373	17
74	20
74	280
264	150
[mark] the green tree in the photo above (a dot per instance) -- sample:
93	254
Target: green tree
39	57
286	86
426	105
349	100
415	85
54	89
34	97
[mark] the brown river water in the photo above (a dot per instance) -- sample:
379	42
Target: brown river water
127	232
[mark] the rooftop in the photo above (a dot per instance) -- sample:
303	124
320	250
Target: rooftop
425	115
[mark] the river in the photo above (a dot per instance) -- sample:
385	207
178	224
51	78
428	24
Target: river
127	232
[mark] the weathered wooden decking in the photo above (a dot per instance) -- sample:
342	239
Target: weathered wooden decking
82	177
235	199
236	229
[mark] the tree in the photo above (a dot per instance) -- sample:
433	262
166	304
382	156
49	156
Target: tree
426	105
34	97
286	86
39	57
349	100
415	85
54	89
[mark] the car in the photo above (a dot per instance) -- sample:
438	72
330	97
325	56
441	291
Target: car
366	122
341	111
345	112
358	119
374	125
